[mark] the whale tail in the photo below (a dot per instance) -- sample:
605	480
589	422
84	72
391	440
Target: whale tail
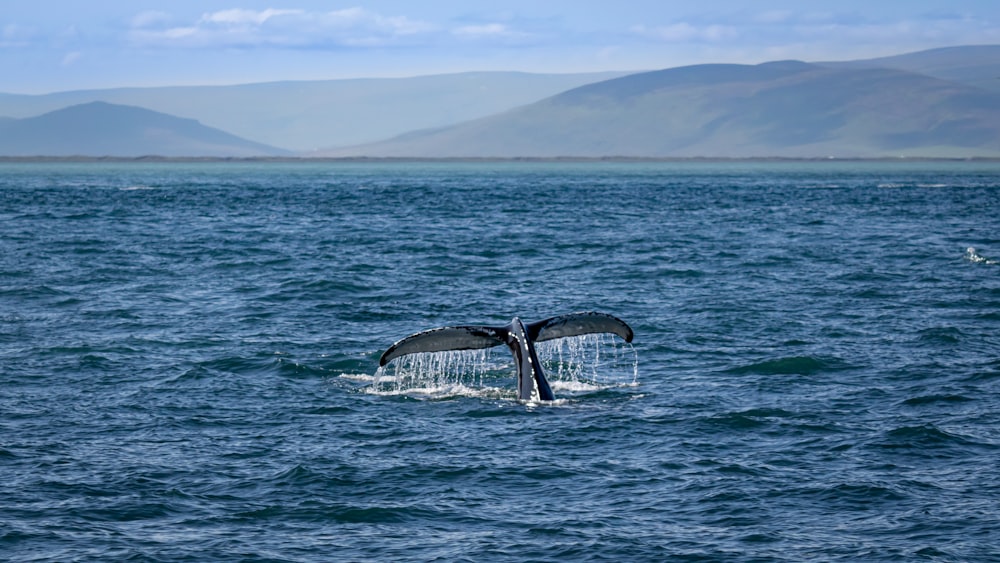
477	337
578	324
444	339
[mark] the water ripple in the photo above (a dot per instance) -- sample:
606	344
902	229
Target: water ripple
190	371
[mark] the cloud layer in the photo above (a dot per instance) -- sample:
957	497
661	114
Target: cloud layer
358	27
290	28
177	41
772	28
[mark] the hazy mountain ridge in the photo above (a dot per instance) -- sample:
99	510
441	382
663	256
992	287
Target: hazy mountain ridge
973	65
102	129
308	115
778	109
870	108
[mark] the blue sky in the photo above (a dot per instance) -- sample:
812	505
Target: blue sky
48	46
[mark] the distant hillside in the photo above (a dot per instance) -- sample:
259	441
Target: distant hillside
101	129
940	102
975	65
307	115
789	109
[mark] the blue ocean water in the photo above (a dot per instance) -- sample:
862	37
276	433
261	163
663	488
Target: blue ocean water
189	351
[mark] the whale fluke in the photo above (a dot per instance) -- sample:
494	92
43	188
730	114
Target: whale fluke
520	338
444	339
578	324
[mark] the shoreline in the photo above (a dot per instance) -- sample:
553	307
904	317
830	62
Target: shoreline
393	159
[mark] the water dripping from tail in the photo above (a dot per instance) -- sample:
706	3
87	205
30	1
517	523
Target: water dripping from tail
579	364
590	362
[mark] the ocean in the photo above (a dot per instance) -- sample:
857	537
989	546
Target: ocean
189	361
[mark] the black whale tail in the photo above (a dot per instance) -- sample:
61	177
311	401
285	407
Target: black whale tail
478	337
578	324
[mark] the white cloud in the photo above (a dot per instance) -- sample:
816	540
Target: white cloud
685	32
933	31
245	17
483	30
71	58
495	33
179	32
14	35
818	30
292	28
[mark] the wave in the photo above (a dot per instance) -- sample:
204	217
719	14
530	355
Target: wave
941	335
444	392
263	364
360	377
766	417
856	496
315	511
896	185
935	399
928	440
794	365
736	421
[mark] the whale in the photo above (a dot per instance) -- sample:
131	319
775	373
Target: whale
519	337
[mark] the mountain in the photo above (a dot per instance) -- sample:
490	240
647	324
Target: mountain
779	109
307	115
941	102
102	129
974	65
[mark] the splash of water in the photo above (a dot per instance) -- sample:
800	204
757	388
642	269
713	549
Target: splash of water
577	364
428	373
972	256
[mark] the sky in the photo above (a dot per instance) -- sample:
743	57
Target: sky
50	46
